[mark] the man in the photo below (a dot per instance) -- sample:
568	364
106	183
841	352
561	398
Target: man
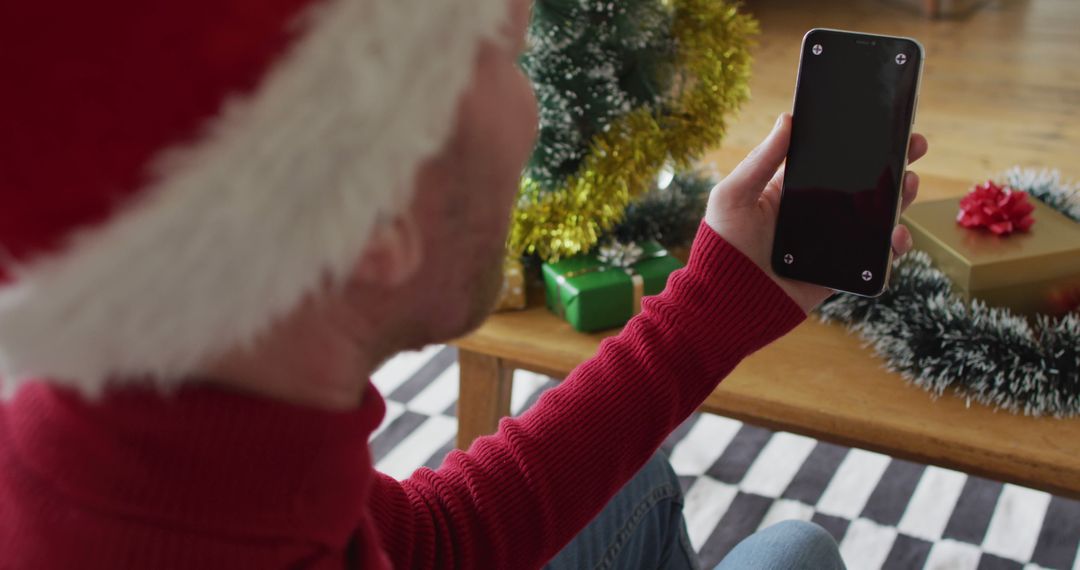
218	218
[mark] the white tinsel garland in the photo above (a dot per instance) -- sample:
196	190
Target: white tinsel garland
938	341
1046	185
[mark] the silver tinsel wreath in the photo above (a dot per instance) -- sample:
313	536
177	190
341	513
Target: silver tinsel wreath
989	355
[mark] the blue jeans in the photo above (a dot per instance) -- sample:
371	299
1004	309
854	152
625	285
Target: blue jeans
643	527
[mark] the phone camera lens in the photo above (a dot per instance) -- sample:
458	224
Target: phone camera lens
816	49
901	59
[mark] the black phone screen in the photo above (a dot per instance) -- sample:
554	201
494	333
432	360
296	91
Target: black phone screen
854	102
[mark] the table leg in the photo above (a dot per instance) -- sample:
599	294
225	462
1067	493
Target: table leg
485	383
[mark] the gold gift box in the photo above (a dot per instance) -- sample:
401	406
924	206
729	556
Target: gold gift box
512	294
1022	271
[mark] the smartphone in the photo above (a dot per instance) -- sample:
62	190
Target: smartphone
855	100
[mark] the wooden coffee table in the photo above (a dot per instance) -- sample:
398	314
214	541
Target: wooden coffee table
982	116
818	381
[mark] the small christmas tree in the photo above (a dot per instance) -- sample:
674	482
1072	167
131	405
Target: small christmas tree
591	63
624	88
669	213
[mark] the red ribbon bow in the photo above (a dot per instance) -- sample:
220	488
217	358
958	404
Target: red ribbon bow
1000	209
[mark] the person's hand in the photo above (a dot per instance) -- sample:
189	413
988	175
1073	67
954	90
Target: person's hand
743	207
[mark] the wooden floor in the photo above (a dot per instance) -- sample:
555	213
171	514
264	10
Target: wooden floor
1000	87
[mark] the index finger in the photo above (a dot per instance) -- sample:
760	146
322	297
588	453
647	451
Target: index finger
917	147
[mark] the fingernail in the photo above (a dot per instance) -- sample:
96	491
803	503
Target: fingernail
908	242
779	120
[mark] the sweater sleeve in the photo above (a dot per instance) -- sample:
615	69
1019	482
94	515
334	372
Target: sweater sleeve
515	498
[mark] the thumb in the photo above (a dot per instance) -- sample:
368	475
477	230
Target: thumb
744	185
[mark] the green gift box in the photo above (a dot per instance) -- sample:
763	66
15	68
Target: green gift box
603	290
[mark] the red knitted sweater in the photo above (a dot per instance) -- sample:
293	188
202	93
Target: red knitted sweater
206	478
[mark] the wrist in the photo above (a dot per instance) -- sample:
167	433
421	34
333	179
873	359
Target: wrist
721	283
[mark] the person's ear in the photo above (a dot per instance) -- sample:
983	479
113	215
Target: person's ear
393	253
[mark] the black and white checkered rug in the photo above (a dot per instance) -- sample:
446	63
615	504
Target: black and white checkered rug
885	513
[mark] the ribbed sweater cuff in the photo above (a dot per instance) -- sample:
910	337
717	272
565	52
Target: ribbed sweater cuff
720	283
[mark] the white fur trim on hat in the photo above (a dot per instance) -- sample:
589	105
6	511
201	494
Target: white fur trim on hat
281	193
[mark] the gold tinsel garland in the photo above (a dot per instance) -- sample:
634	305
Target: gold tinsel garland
713	43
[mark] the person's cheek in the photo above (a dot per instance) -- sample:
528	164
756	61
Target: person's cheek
510	126
531	113
522	123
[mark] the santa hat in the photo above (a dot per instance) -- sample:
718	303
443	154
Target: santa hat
174	176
